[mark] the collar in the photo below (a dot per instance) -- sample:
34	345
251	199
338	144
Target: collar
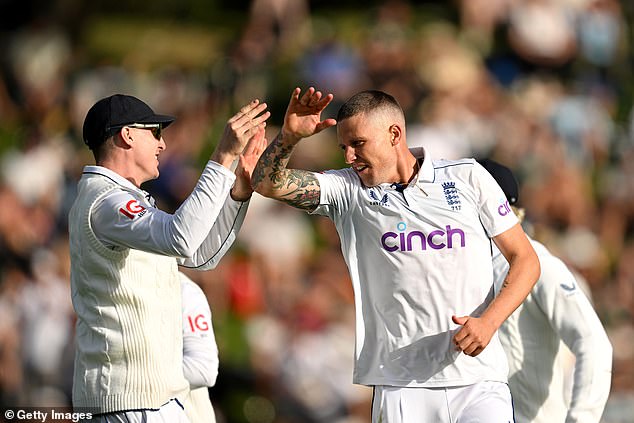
115	177
426	170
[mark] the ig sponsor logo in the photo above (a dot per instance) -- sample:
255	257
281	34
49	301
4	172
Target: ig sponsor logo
404	240
132	209
198	323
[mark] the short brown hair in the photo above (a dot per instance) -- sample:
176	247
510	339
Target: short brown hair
367	101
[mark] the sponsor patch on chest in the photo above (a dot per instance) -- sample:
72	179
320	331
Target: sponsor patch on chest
377	199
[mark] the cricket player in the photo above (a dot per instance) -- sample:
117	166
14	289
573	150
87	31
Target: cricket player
200	352
555	313
416	234
125	254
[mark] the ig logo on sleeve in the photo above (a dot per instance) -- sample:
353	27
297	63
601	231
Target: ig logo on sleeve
132	209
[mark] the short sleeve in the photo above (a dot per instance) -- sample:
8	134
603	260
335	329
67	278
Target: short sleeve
494	209
335	188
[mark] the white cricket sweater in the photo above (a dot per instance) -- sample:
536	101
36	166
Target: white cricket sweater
556	312
129	330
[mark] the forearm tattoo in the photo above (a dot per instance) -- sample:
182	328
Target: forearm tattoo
298	188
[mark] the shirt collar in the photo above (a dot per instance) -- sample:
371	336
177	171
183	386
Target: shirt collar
426	172
116	178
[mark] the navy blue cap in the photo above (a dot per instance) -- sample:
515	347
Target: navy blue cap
504	177
112	113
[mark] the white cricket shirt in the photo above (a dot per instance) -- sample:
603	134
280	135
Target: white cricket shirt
556	312
200	352
416	258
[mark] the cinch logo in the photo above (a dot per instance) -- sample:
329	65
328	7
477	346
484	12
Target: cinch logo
407	241
504	209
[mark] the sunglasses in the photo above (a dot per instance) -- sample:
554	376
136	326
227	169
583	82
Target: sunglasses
156	128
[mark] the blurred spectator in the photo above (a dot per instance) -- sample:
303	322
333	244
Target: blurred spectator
39	60
12	376
479	20
48	327
333	65
601	31
584	126
325	323
49	158
275	27
387	53
281	243
542	32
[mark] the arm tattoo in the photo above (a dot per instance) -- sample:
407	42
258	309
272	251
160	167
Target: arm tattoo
304	190
298	188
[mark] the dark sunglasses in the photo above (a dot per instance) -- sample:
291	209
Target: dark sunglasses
156	128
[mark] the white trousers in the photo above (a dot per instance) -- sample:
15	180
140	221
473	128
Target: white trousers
483	402
171	412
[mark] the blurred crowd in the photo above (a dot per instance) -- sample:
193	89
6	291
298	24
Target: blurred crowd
543	86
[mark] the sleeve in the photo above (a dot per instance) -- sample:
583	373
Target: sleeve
334	188
126	219
495	213
221	237
200	351
575	321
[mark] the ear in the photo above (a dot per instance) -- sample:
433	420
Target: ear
124	137
396	134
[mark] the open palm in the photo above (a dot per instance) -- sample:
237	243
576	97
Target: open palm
303	115
246	164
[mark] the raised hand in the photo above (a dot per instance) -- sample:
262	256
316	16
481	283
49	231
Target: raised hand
242	190
303	114
240	128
